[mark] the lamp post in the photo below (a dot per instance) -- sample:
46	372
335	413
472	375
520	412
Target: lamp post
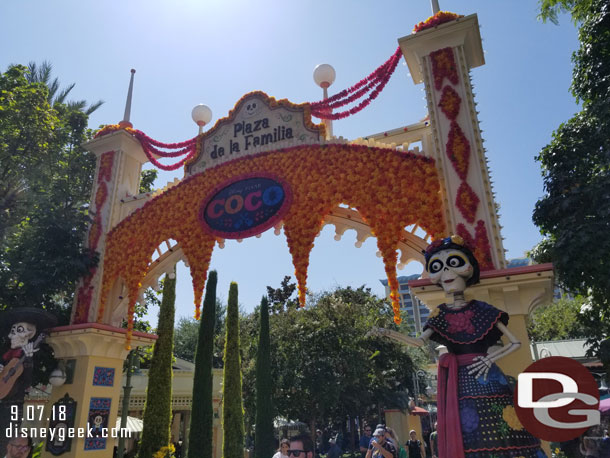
324	75
125	407
201	114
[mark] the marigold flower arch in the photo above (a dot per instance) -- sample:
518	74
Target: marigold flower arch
390	189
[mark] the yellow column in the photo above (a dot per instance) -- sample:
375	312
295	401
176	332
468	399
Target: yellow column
402	423
98	352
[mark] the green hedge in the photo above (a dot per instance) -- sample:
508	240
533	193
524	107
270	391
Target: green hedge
232	408
264	439
202	414
158	408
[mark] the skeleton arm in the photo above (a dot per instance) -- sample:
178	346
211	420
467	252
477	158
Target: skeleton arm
401	338
483	363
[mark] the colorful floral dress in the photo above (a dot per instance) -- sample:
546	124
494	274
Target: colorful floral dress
488	424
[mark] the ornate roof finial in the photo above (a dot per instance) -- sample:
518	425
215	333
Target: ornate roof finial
125	122
435	7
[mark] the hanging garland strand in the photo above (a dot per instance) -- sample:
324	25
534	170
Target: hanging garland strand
187	149
151	147
374	83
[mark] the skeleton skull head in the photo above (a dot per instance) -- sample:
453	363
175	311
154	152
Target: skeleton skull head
21	333
98	420
450	269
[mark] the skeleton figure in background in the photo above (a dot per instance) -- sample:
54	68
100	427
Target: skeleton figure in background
476	417
17	363
20	335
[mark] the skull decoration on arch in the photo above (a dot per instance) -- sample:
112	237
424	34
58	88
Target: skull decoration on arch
21	333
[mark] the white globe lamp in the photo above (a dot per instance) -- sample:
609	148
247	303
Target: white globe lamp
57	377
324	75
202	115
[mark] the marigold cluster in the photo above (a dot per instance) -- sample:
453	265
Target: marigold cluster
389	188
443	66
439	18
467	202
509	415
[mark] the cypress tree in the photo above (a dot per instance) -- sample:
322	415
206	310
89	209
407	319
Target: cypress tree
202	414
264	438
158	407
232	409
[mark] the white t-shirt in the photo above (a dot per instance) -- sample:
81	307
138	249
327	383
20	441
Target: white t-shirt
279	455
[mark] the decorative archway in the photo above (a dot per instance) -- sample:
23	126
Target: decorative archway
389	190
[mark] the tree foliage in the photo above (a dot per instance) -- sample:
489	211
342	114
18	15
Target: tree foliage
202	416
550	9
557	321
187	332
158	407
45	187
574	214
147	180
232	408
264	439
323	366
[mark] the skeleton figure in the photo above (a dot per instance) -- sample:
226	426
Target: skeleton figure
474	398
20	326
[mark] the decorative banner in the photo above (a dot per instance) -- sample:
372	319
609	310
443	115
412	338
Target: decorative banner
99	410
61	420
246	207
258	123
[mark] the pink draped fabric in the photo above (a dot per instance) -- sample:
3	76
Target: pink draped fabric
450	444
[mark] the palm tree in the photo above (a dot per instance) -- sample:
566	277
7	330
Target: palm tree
42	74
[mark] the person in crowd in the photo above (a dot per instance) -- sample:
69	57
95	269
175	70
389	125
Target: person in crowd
282	451
588	448
415	446
19	447
320	442
381	447
391	435
604	450
301	446
334	451
434	442
365	440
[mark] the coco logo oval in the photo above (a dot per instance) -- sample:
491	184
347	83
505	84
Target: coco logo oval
246	207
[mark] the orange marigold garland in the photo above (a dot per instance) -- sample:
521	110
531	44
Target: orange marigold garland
443	66
479	244
458	150
439	18
467	202
389	188
450	103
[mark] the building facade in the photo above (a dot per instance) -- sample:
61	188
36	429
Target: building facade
413	310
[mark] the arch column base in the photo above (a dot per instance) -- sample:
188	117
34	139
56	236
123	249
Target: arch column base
95	354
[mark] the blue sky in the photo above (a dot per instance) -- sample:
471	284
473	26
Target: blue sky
214	51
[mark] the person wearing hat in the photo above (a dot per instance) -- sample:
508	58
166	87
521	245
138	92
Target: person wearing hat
21	326
381	447
416	448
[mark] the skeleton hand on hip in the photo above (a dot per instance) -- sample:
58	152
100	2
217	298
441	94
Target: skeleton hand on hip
480	367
